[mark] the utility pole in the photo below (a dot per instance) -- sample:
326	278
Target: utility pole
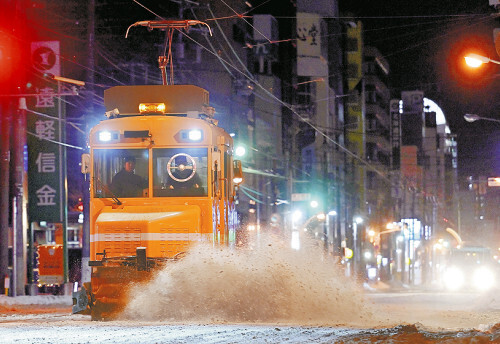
90	106
19	221
5	125
19	182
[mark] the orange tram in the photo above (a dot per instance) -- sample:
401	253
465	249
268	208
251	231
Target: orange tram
162	178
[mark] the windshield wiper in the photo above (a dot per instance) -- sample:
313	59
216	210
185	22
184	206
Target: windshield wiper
108	191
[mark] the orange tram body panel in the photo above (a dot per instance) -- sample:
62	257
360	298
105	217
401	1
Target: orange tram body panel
161	179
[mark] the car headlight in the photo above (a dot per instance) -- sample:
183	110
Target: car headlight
484	278
454	278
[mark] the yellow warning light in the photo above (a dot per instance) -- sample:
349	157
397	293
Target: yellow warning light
152	108
348	253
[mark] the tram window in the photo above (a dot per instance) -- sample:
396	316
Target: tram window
180	172
121	172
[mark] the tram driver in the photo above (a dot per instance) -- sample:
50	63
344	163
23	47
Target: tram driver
126	183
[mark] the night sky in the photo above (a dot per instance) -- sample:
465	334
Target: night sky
424	43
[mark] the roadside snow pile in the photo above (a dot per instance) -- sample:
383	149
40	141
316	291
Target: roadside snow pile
36	300
489	300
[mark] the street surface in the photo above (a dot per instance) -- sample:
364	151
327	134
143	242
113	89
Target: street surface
270	295
409	318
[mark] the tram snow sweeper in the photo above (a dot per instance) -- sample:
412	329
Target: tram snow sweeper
162	177
181	188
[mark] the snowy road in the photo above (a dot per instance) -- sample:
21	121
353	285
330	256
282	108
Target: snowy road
272	295
403	317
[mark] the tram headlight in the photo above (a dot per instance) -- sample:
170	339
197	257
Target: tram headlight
104	136
195	135
483	278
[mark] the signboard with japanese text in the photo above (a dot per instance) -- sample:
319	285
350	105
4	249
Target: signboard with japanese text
45	57
311	51
395	134
45	111
50	264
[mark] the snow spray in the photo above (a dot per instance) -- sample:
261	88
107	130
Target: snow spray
271	283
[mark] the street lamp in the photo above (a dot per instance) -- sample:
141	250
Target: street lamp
475	60
469	117
240	151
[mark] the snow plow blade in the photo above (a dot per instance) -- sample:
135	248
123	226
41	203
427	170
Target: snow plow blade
81	300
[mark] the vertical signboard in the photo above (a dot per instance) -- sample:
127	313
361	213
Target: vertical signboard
311	53
50	264
44	133
395	134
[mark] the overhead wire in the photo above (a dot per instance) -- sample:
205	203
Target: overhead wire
246	21
316	129
249	74
347	151
212	47
331	140
54	141
344	149
434	38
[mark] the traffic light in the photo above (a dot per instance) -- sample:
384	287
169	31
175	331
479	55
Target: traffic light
79	206
252	207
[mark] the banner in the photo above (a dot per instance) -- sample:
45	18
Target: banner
44	134
311	53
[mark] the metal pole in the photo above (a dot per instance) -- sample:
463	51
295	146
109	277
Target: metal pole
86	184
5	127
20	232
63	185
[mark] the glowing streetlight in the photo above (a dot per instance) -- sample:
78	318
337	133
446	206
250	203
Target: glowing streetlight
296	215
240	151
321	217
475	60
469	117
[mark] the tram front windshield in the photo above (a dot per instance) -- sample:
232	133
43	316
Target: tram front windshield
177	172
180	172
121	172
